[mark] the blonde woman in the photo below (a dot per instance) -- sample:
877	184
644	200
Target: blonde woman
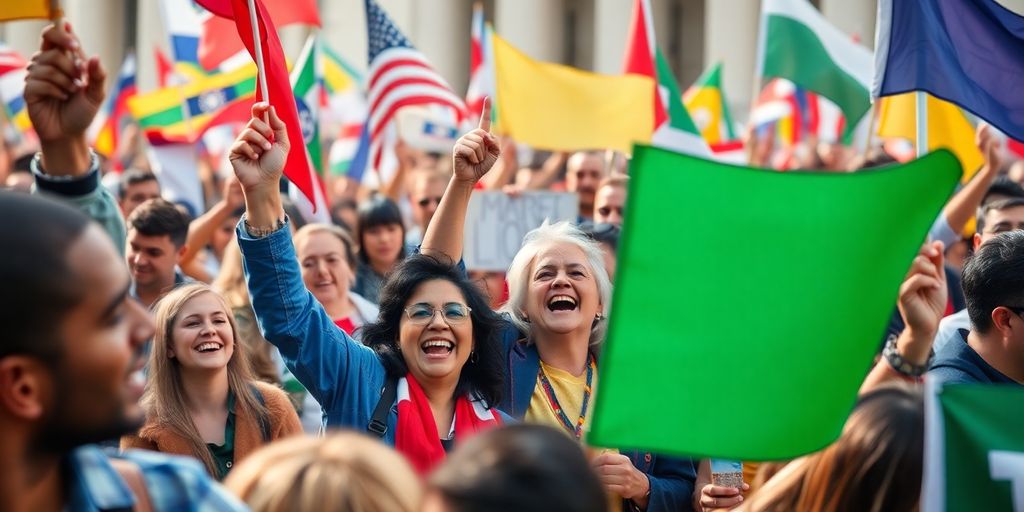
230	283
343	472
201	399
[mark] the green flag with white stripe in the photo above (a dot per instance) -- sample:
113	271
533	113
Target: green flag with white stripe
307	82
974	448
798	44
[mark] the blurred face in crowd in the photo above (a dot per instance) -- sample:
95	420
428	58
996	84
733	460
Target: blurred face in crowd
325	270
435	348
202	337
998	222
426	195
98	380
222	236
1016	172
138	193
583	173
382	244
151	259
609	205
563	297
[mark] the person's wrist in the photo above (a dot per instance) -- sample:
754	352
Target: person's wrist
915	345
263	208
66	156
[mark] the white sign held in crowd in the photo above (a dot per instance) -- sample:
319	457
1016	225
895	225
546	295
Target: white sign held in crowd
497	222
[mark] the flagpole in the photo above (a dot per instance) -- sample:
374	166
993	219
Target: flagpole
922	123
259	54
874	110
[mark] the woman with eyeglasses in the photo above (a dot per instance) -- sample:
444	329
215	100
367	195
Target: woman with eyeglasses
559	292
433	350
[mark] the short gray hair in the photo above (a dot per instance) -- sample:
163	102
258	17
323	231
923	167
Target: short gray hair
519	272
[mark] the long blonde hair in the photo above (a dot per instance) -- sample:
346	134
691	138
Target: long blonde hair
343	472
164	398
231	284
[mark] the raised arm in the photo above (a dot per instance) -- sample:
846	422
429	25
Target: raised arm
324	359
201	230
474	154
922	303
964	204
63	93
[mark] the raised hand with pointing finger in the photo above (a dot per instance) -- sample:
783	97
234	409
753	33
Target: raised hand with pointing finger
477	151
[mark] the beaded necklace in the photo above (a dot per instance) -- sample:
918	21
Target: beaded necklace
549	392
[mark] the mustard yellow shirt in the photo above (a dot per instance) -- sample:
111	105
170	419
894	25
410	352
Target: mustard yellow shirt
568	389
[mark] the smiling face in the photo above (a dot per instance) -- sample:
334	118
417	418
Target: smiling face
563	296
436	351
325	270
202	337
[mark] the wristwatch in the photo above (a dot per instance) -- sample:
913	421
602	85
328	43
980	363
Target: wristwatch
900	364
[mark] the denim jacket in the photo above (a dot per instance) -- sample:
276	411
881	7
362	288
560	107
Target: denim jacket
345	377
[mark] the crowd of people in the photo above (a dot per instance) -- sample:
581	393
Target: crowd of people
238	358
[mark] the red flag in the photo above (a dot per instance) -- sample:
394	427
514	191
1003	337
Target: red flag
297	166
219	40
164	67
639	58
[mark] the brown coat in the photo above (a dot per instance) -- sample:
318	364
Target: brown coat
248	435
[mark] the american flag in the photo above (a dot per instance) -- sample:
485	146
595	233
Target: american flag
400	76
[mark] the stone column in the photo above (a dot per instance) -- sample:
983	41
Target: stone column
613	21
100	26
533	26
150	33
441	30
23	36
730	35
344	29
856	19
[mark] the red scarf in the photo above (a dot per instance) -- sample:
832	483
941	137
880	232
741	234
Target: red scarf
416	434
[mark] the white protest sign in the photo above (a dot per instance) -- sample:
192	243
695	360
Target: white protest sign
497	222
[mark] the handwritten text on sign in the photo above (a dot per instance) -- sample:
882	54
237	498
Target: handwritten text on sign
496	224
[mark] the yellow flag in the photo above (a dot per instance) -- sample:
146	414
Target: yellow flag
947	128
559	108
25	9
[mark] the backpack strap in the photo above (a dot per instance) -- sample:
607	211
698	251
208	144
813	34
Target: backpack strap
378	425
131	473
264	424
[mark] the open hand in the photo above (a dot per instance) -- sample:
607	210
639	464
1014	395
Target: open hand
477	151
991	147
63	89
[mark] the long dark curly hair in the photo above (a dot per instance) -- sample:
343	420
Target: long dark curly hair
484	373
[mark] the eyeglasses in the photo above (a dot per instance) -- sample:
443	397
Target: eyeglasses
452	312
427	200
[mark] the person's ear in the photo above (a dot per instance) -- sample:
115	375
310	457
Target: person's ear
181	252
976	242
24	386
1001	320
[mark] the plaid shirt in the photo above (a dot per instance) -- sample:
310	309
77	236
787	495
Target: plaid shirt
174	483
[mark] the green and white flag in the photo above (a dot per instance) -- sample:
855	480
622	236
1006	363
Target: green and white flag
307	84
798	44
974	448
